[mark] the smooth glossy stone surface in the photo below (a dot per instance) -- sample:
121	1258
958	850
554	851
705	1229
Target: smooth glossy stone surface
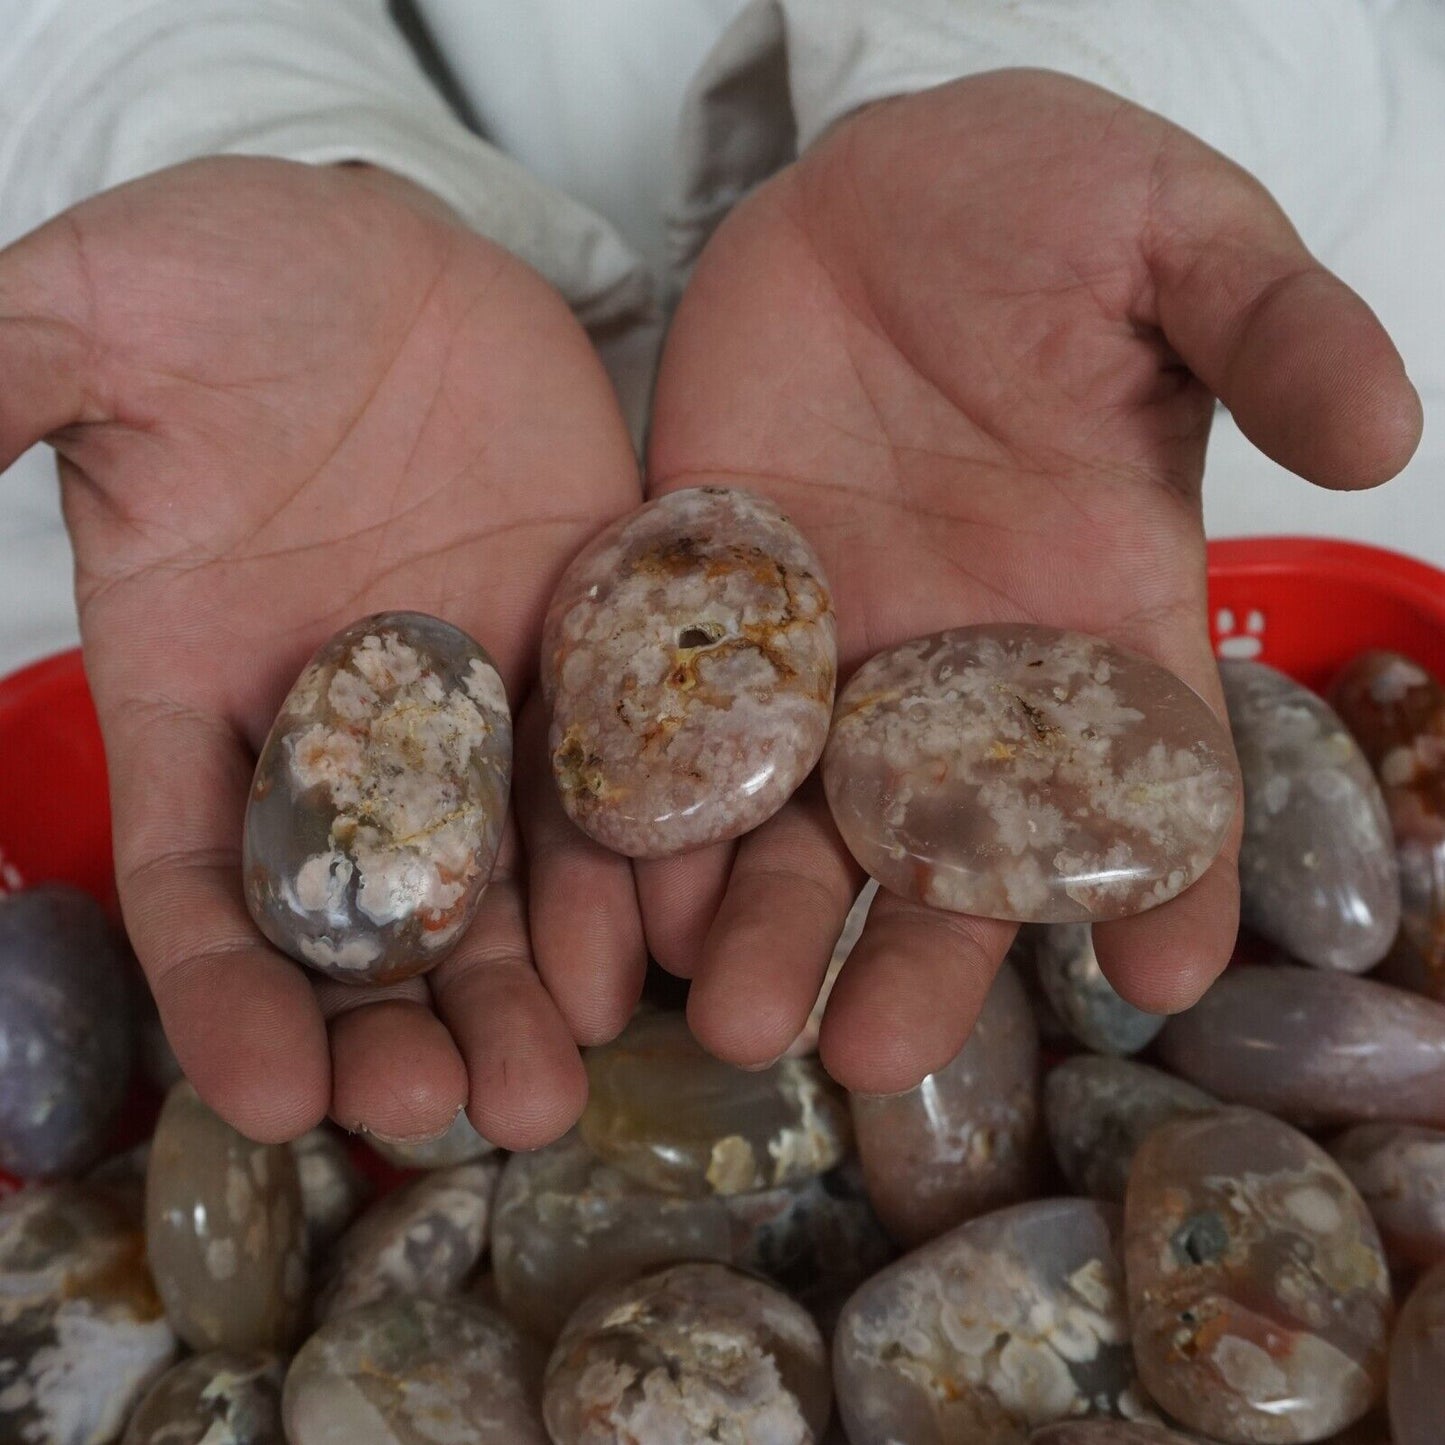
379	798
423	1239
220	1398
333	1189
459	1145
969	1138
1315	1048
1099	1110
415	1372
82	1334
1008	1322
667	1113
225	1231
697	1352
1021	772
1396	712
689	660
66	1031
1317	869
1109	1432
1258	1289
1417	1365
1084	1000
1399	1170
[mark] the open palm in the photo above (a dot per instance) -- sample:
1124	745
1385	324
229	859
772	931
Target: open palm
284	397
971	345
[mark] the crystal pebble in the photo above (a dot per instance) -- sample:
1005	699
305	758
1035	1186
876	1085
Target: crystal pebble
1258	1289
225	1231
1315	1048
968	1139
333	1190
1417	1364
696	1352
677	1120
460	1144
66	1031
1024	773
378	800
415	1372
689	660
1317	870
1396	712
219	1398
1011	1321
1399	1170
1083	999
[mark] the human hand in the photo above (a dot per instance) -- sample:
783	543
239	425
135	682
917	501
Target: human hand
284	397
971	344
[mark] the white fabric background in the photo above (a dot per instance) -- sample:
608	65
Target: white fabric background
1339	105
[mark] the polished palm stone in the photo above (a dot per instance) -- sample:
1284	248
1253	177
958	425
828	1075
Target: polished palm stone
1317	868
225	1231
1396	712
1258	1289
1399	1170
415	1372
460	1144
424	1239
1099	1110
1083	999
969	1138
223	1397
333	1189
67	1031
378	800
698	1352
1109	1432
1011	1321
1417	1365
674	1118
1315	1048
82	1332
689	659
1021	772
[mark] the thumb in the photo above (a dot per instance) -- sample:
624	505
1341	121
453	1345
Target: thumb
1303	364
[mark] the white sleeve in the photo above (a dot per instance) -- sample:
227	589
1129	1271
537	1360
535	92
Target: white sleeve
1295	91
95	92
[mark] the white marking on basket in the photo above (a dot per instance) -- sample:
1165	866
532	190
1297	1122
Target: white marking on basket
10	879
1246	645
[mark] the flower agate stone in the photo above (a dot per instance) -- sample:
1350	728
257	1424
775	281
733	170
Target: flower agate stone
220	1398
1399	1170
82	1334
1109	1432
460	1144
689	660
424	1238
1258	1290
378	801
333	1190
1315	1048
1417	1365
696	1352
1317	871
1098	1112
66	1031
1008	1322
415	1372
1084	1000
1396	711
968	1139
1020	772
225	1231
674	1118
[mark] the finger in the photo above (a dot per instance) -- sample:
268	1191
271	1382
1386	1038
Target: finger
680	898
909	994
765	956
528	1085
242	1019
395	1071
1302	363
582	905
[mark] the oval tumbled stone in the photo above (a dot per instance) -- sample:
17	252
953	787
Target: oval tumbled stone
221	1398
1258	1290
689	659
1020	772
1417	1364
378	801
1399	1170
1082	998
